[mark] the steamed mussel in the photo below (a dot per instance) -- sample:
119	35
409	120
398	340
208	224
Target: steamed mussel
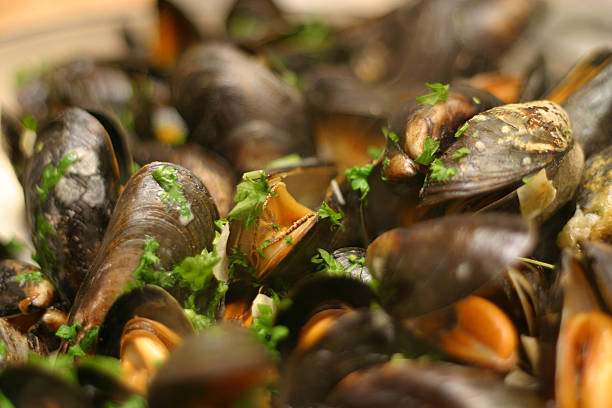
360	265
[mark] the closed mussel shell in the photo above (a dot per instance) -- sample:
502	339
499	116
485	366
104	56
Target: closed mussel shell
449	257
505	144
182	226
71	184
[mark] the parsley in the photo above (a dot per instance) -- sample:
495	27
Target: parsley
462	129
276	227
476	100
289	240
266	332
461	152
475	134
12	248
289	160
28	277
51	175
166	177
327	264
387	162
263	246
250	197
375	152
439	94
5	402
2	348
134	401
389	135
197	270
68	332
238	260
527	180
355	262
107	365
29	122
84	345
207	317
441	173
146	273
358	177
327	212
567	132
430	147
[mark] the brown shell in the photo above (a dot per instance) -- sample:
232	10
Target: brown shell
507	143
78	207
141	213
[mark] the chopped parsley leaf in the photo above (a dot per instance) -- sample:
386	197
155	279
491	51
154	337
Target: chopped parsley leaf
134	401
288	240
289	160
327	264
250	197
527	180
430	147
28	277
84	345
462	129
461	152
166	177
51	175
266	332
29	122
2	348
327	212
441	173
476	100
263	246
390	135
475	134
68	332
358	177
439	94
276	227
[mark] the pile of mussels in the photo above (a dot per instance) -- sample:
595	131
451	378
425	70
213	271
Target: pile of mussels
411	227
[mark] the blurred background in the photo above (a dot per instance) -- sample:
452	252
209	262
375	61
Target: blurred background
38	33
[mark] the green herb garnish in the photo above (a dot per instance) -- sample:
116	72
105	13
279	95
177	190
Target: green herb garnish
390	135
527	180
430	147
265	330
51	175
476	100
288	240
5	402
276	227
461	152
462	129
439	94
263	246
327	212
441	173
166	177
68	332
2	348
475	134
29	122
250	197
28	277
327	264
134	401
146	273
107	365
84	345
358	177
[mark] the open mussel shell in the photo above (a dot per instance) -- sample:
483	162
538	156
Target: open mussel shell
29	387
149	301
593	217
238	107
216	174
71	184
356	339
450	256
318	293
23	297
428	384
218	367
144	211
17	344
586	94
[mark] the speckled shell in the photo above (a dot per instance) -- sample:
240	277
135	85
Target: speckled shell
141	213
513	141
79	206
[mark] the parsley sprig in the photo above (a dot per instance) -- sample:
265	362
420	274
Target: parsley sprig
327	264
358	177
69	333
335	217
462	129
250	197
265	330
461	152
439	93
430	147
441	173
28	277
389	134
